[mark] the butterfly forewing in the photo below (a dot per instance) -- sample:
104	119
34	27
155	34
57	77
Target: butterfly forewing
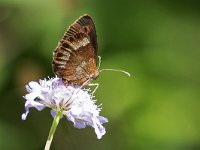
74	59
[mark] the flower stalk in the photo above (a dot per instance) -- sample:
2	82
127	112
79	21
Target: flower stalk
53	129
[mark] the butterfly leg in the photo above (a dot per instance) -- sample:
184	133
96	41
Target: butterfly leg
94	84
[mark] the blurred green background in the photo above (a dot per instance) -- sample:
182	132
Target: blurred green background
157	41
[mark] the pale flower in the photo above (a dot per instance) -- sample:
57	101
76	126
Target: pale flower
75	103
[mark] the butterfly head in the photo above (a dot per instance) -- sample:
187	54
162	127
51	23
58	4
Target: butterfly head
95	75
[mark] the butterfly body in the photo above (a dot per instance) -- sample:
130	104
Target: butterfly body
74	59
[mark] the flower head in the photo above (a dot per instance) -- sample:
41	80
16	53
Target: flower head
75	103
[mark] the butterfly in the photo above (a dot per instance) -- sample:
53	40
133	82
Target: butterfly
75	57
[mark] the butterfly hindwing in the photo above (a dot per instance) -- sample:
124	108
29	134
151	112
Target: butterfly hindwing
74	59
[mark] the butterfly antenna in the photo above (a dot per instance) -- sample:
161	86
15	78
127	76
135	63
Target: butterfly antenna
99	62
117	71
111	69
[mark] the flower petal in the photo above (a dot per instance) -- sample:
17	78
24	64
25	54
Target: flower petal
33	86
99	129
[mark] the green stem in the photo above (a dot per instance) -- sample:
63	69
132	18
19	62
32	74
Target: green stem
52	130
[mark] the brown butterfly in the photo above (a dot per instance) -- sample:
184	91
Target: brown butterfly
75	57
